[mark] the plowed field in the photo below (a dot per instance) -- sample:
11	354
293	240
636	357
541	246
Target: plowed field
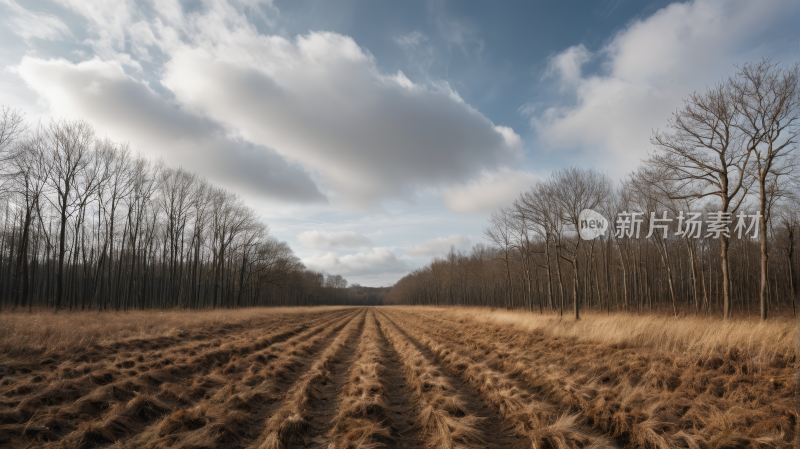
389	377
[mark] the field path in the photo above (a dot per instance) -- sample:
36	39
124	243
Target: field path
399	397
489	429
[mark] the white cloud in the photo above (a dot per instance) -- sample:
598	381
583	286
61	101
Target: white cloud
377	261
321	101
650	67
411	40
457	31
527	109
342	239
129	110
28	24
438	246
108	23
419	51
567	64
492	190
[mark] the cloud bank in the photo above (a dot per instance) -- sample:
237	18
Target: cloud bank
438	246
648	68
313	113
321	102
342	239
129	110
376	261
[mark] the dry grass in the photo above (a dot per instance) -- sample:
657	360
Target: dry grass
761	342
288	423
442	416
396	377
362	415
197	381
45	332
641	398
540	422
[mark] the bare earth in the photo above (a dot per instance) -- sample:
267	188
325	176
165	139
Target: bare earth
389	377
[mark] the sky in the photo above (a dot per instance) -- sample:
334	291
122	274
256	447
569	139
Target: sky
374	135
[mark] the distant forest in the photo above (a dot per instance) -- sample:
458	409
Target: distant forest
727	158
87	224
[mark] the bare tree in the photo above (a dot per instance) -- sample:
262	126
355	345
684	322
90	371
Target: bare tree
68	153
705	154
789	221
543	219
643	185
175	200
768	99
29	177
12	127
500	232
576	189
118	162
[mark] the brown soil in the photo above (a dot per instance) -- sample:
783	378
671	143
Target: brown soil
388	377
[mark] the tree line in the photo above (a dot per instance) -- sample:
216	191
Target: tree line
727	162
88	224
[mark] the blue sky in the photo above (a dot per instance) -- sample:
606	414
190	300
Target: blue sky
373	135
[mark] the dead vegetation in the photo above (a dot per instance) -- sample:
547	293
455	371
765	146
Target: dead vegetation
44	332
442	415
396	377
288	423
363	411
760	341
641	397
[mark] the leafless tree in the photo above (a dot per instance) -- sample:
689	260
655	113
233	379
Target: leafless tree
12	128
28	180
576	189
705	154
768	100
68	152
500	232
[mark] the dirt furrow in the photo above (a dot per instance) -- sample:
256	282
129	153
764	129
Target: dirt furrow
542	423
234	415
637	397
332	389
365	415
110	405
399	397
288	424
450	414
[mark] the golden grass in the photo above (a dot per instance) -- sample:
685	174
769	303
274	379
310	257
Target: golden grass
538	421
641	397
23	333
288	422
759	341
360	421
442	417
456	378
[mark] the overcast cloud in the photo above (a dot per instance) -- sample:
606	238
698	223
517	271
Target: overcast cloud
649	67
129	110
439	246
373	138
341	239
